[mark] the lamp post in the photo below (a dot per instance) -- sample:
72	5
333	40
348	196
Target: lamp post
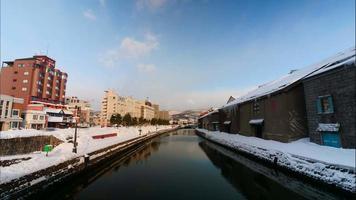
76	118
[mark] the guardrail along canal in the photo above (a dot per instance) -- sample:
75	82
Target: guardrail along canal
181	165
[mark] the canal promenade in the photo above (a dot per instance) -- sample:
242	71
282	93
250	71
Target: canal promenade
326	164
28	170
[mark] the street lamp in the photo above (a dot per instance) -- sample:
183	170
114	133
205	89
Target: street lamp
76	118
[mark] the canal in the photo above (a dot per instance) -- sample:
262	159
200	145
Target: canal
181	165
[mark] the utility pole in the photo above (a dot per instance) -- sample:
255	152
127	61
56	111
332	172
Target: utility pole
75	130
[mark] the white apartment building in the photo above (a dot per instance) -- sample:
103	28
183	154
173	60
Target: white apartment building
35	117
73	103
10	116
112	103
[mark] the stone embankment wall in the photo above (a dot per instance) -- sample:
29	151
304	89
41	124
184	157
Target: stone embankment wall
26	145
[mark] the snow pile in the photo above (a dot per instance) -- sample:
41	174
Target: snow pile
328	164
63	152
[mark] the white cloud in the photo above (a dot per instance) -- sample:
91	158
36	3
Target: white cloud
150	4
102	3
130	48
89	14
146	67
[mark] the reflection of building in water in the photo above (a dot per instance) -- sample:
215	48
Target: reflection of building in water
257	181
185	132
145	152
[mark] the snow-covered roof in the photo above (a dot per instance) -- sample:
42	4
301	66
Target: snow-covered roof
56	110
256	121
209	113
52	110
337	60
328	127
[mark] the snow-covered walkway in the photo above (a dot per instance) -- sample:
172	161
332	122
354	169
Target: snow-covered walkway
331	165
63	152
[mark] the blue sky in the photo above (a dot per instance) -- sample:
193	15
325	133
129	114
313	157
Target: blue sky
181	54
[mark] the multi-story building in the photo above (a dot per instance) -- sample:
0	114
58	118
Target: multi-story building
108	106
147	111
95	118
115	104
35	117
80	108
10	113
33	79
156	110
163	115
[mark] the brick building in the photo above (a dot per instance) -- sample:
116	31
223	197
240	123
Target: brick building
33	79
330	98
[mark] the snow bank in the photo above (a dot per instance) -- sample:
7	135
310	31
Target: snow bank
63	152
328	164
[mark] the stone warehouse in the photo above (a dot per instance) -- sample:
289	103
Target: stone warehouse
331	106
318	101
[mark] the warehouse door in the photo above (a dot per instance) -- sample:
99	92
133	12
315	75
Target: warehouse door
331	139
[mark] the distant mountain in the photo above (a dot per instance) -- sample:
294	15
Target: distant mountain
173	112
188	114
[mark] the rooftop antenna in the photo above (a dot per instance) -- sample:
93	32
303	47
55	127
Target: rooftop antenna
47	49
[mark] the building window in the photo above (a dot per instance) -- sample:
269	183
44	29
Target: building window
25	73
35	117
325	105
256	107
14	80
25	81
41	117
13	88
21	65
15	112
24	89
15	72
1	102
7	108
14	125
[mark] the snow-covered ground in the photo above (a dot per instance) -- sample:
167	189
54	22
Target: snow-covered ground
63	152
327	164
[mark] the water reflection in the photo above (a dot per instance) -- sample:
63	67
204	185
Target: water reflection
257	181
180	165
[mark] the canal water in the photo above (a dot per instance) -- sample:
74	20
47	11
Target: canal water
181	165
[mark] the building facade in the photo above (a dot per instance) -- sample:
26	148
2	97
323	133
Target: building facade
33	79
10	112
156	111
112	103
163	114
316	101
147	111
79	108
35	117
331	106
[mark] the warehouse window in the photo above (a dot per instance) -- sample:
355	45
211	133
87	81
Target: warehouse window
325	104
256	107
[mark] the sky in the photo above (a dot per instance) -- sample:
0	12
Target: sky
181	54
